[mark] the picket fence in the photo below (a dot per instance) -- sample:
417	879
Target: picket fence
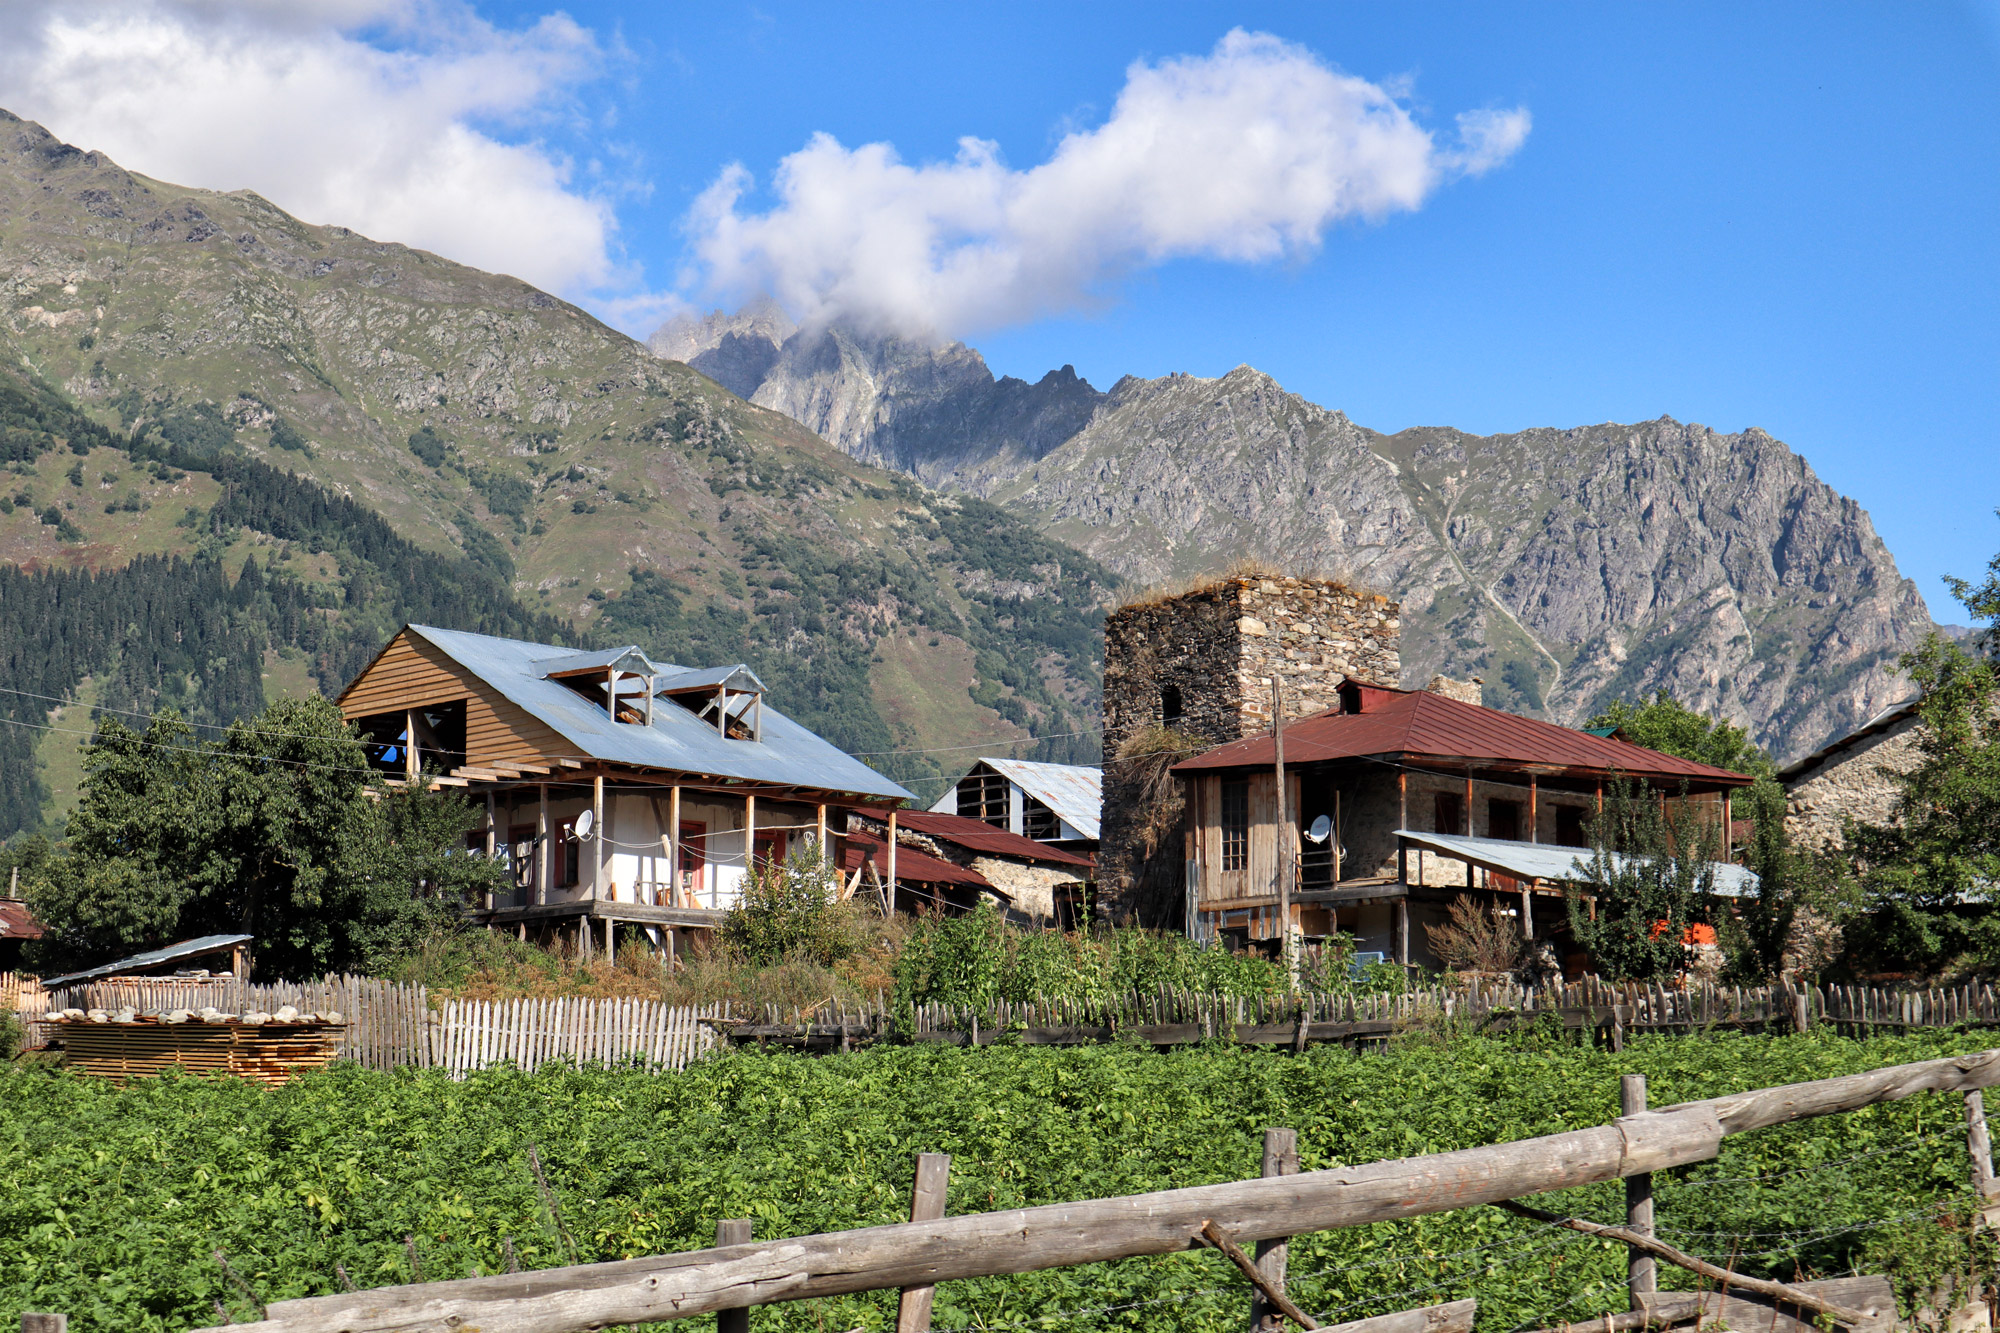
396	1024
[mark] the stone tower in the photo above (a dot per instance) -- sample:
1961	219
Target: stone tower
1201	663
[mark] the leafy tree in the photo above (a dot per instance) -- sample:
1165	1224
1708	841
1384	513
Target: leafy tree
1793	924
1652	873
1665	724
278	829
1940	850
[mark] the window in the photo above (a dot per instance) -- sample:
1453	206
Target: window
1503	820
1569	826
770	849
1038	821
1236	825
1449	816
1170	704
984	796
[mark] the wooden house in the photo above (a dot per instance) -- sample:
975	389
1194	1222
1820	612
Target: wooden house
1425	797
619	789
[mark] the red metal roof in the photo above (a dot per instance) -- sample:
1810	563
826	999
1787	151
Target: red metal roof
911	864
15	921
1418	725
977	835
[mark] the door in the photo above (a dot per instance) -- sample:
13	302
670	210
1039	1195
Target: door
694	861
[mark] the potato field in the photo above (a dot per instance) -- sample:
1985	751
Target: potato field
155	1205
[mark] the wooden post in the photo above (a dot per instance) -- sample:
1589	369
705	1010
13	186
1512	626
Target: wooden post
891	891
1801	1011
674	845
1403	930
610	940
44	1323
1980	1147
1527	910
1286	865
492	840
732	1231
597	837
1402	798
1471	830
749	836
1534	809
541	894
411	765
1281	1158
913	1307
1642	1270
1336	835
819	832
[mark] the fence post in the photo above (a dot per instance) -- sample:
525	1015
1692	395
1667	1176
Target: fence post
913	1307
732	1231
1281	1158
1980	1146
44	1323
1642	1271
1801	1011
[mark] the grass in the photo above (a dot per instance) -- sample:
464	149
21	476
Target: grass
59	753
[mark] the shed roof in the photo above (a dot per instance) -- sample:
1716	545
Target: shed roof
1542	860
911	864
787	754
1419	725
1874	726
977	835
1074	791
138	962
17	922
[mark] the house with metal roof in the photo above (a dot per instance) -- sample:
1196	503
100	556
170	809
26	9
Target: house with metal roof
621	790
1394	802
1053	803
1032	882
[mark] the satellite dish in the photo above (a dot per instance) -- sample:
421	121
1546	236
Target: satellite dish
585	822
1320	828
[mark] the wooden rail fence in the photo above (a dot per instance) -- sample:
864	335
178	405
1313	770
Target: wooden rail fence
920	1254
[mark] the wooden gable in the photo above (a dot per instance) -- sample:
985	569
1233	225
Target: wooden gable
411	672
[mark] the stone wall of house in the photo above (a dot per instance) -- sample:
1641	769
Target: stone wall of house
1030	889
1465	691
1215	651
1849	784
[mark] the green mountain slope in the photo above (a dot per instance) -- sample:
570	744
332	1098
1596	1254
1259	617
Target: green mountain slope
489	423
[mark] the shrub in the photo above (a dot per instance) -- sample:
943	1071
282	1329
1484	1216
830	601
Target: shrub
792	910
1474	939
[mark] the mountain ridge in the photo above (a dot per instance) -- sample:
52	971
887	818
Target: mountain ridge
1655	555
486	420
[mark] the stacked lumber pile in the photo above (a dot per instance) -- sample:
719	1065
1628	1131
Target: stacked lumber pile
268	1048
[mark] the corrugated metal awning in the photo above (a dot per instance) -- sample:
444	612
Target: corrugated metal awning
139	962
1550	861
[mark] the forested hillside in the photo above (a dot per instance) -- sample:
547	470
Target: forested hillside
437	412
193	630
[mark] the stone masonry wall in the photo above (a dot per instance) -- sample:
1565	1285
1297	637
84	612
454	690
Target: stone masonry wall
1849	785
1219	647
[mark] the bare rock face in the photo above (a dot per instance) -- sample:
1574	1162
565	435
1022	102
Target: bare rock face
1564	567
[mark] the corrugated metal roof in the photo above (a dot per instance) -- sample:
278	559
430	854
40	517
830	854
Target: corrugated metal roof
979	836
628	658
17	922
138	962
1415	724
1074	792
788	755
911	864
1542	860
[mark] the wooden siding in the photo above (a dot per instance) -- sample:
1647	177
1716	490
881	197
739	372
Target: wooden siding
1260	879
411	673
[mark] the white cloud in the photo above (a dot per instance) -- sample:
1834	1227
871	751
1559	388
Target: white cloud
1246	155
286	97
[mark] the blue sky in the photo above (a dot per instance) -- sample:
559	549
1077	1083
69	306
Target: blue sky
1780	216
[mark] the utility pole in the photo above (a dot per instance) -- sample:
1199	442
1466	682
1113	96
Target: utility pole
1287	864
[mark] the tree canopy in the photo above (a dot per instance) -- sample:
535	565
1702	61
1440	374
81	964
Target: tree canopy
1665	724
277	829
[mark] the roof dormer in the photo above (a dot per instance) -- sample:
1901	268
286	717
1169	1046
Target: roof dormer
618	680
729	698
